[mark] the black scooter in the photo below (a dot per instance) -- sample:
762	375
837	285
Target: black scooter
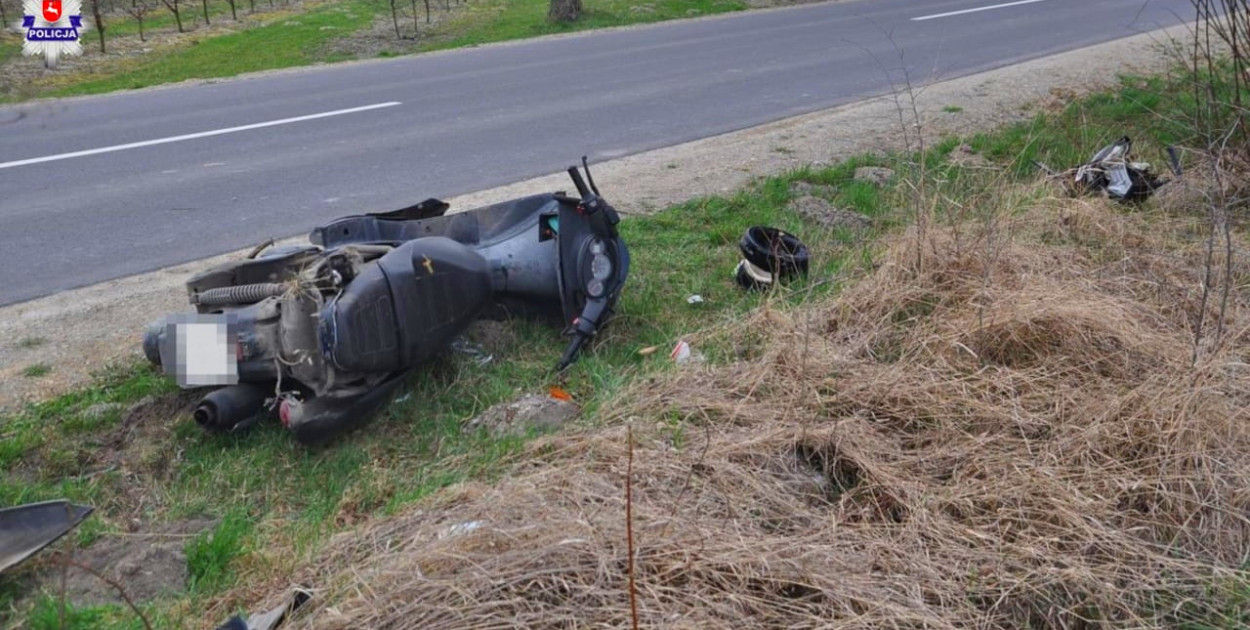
326	333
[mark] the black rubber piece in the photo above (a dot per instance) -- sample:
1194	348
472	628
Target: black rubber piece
152	341
323	419
775	250
744	278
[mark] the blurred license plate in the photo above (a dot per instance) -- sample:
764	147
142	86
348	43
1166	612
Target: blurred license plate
201	350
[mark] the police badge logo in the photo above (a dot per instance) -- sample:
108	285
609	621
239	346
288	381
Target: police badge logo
53	28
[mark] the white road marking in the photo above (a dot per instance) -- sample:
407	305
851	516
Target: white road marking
193	136
993	6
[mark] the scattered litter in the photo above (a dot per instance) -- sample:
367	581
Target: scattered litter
694	299
649	350
770	256
472	350
682	353
403	398
271	619
1112	173
559	393
461	528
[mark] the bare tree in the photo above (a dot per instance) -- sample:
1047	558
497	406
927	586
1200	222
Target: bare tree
138	9
564	10
99	22
172	5
4	17
394	17
204	3
233	14
427	11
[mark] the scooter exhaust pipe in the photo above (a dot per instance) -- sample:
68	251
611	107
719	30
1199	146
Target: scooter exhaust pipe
232	408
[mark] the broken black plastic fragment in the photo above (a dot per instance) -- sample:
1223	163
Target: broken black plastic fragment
27	529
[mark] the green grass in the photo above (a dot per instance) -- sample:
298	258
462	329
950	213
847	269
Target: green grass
503	20
952	109
283	43
10	48
263	42
27	343
210	553
48	614
37	370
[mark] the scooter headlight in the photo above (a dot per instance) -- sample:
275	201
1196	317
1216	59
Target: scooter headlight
600	267
595	288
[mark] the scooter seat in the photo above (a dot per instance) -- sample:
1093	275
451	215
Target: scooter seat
406	306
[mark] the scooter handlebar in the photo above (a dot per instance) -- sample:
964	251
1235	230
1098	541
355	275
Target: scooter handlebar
582	188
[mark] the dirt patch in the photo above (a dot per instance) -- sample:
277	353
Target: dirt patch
824	213
963	155
140	444
875	175
518	417
149	563
801	189
494	337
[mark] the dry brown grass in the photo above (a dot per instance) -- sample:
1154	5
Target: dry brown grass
1010	436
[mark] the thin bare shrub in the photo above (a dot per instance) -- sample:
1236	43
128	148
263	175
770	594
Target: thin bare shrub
1218	71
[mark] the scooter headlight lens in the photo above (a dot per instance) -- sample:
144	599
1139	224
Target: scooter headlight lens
595	288
600	267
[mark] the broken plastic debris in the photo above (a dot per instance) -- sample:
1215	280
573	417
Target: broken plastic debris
558	393
26	529
694	299
649	350
471	350
683	353
271	619
461	528
1111	172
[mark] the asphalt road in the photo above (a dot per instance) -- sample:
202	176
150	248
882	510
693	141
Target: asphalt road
218	167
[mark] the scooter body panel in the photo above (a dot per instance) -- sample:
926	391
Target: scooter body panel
404	308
